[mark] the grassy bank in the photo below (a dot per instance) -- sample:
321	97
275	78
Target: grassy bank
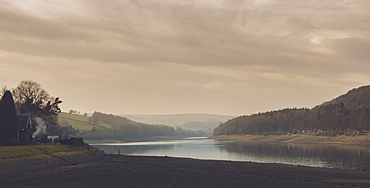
363	140
15	160
19	153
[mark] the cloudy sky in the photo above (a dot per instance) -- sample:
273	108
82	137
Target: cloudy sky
231	57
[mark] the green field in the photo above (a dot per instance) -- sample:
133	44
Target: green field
80	122
18	153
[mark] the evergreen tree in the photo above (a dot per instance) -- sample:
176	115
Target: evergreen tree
8	118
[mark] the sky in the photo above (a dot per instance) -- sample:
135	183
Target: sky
230	57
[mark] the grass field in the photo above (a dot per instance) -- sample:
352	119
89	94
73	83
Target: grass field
16	153
79	122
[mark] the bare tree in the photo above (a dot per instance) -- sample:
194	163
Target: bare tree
30	96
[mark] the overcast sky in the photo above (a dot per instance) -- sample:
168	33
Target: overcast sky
232	57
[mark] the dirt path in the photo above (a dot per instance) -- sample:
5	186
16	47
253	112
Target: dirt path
133	171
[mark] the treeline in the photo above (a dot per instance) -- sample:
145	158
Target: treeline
348	114
28	111
127	130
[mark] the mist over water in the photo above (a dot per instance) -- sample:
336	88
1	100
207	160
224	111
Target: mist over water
328	156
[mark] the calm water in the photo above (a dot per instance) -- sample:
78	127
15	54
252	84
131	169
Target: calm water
330	156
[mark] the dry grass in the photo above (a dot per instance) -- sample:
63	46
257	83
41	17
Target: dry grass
19	153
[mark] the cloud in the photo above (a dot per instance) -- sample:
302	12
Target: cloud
197	50
162	28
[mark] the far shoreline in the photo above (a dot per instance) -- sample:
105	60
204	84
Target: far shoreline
148	139
360	140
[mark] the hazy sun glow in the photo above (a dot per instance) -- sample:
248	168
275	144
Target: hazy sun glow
159	56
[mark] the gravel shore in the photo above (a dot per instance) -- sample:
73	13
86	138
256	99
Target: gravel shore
139	171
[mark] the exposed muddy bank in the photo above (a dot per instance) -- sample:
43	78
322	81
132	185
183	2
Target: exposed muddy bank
135	171
363	140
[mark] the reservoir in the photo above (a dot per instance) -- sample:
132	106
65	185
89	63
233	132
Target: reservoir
328	156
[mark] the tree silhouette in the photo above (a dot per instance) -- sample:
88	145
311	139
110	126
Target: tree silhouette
346	114
8	117
31	98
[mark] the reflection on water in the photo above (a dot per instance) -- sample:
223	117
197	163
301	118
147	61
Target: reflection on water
331	156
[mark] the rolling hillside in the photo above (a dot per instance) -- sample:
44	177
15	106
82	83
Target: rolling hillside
102	126
347	114
79	122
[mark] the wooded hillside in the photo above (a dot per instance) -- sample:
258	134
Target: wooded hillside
203	122
347	114
127	130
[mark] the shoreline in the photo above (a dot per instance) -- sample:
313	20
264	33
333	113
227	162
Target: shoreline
150	139
88	167
148	171
362	140
359	140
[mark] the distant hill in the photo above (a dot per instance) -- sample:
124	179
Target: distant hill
355	98
79	122
346	114
102	126
204	122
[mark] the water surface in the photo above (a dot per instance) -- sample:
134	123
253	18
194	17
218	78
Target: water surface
330	156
